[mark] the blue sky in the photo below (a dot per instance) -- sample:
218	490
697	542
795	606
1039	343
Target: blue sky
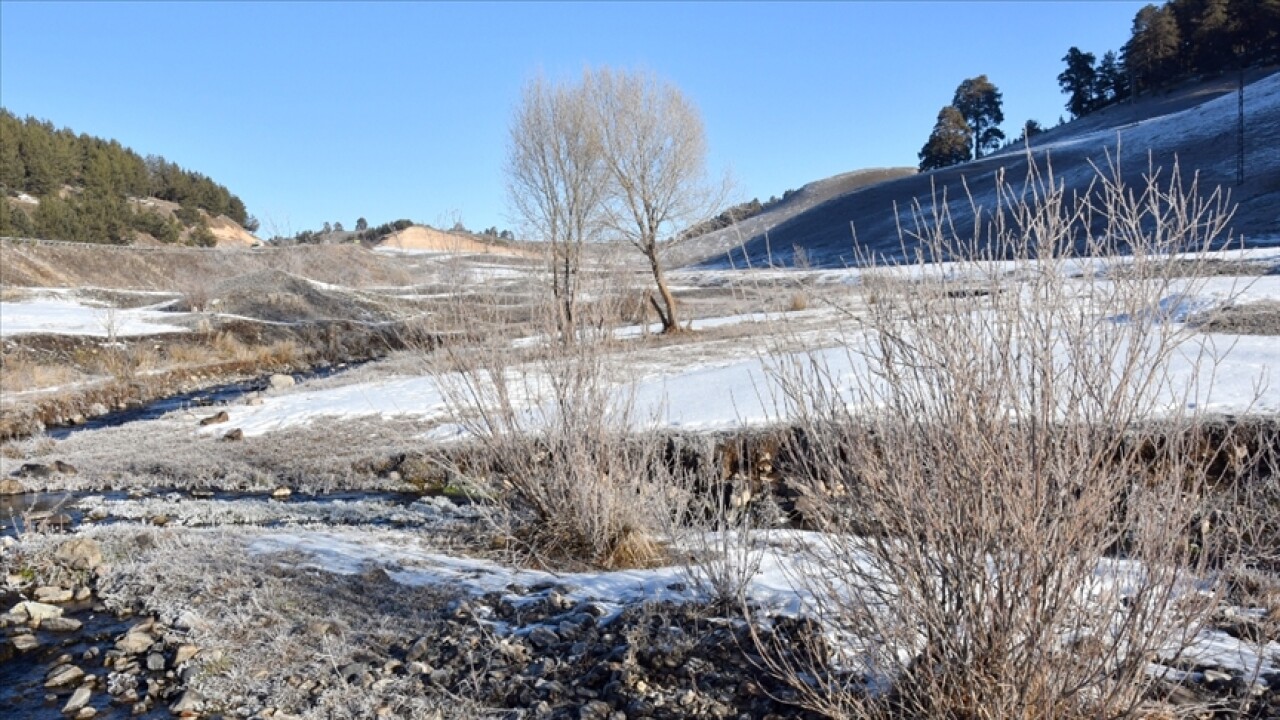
332	111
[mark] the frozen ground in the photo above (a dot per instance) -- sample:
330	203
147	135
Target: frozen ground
67	316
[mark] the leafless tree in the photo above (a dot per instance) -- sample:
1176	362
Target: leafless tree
556	181
655	150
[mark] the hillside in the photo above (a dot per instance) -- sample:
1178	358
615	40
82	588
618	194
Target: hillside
57	185
1194	125
421	238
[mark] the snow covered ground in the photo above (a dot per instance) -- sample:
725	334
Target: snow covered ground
776	585
66	316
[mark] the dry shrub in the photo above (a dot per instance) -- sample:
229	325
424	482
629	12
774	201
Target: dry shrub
997	543
554	446
799	301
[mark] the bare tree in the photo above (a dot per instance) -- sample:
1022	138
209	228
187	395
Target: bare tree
655	151
556	181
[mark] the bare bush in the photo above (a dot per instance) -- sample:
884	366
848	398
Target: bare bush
1008	475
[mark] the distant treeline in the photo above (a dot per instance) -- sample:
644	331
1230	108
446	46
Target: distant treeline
1176	41
735	214
81	185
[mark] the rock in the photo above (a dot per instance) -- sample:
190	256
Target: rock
83	593
64	676
51	594
233	435
543	637
135	642
79	700
86	713
221	417
202	494
25	643
36	611
189	704
418	650
33	470
595	710
9	486
61	624
281	493
64	468
184	653
80	554
280	381
59	522
155	662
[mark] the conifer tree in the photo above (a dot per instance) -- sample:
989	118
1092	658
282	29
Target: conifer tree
979	102
1079	81
1112	83
950	143
1152	50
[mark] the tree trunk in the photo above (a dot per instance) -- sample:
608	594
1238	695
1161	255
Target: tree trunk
670	324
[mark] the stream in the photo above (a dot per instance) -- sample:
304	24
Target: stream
215	395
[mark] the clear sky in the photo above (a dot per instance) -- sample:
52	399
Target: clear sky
331	111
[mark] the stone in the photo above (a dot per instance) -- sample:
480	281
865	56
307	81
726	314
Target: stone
61	624
280	381
155	662
25	643
135	642
221	417
64	468
233	435
79	700
80	554
64	676
86	713
9	486
51	594
281	493
543	637
595	710
189	704
33	470
36	610
184	653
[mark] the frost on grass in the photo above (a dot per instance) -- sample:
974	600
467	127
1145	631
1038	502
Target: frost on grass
266	629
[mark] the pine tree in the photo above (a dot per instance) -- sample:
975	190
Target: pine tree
950	143
979	102
1079	81
1214	36
1112	84
1152	50
12	170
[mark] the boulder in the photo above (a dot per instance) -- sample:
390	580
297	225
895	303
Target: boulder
25	643
64	676
135	642
221	417
36	611
79	700
80	554
53	595
234	435
61	624
280	381
9	486
64	468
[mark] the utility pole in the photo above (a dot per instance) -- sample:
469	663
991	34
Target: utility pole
1240	130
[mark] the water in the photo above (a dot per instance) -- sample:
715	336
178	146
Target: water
216	395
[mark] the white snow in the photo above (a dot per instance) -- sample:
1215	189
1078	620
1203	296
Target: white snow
68	317
778	584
